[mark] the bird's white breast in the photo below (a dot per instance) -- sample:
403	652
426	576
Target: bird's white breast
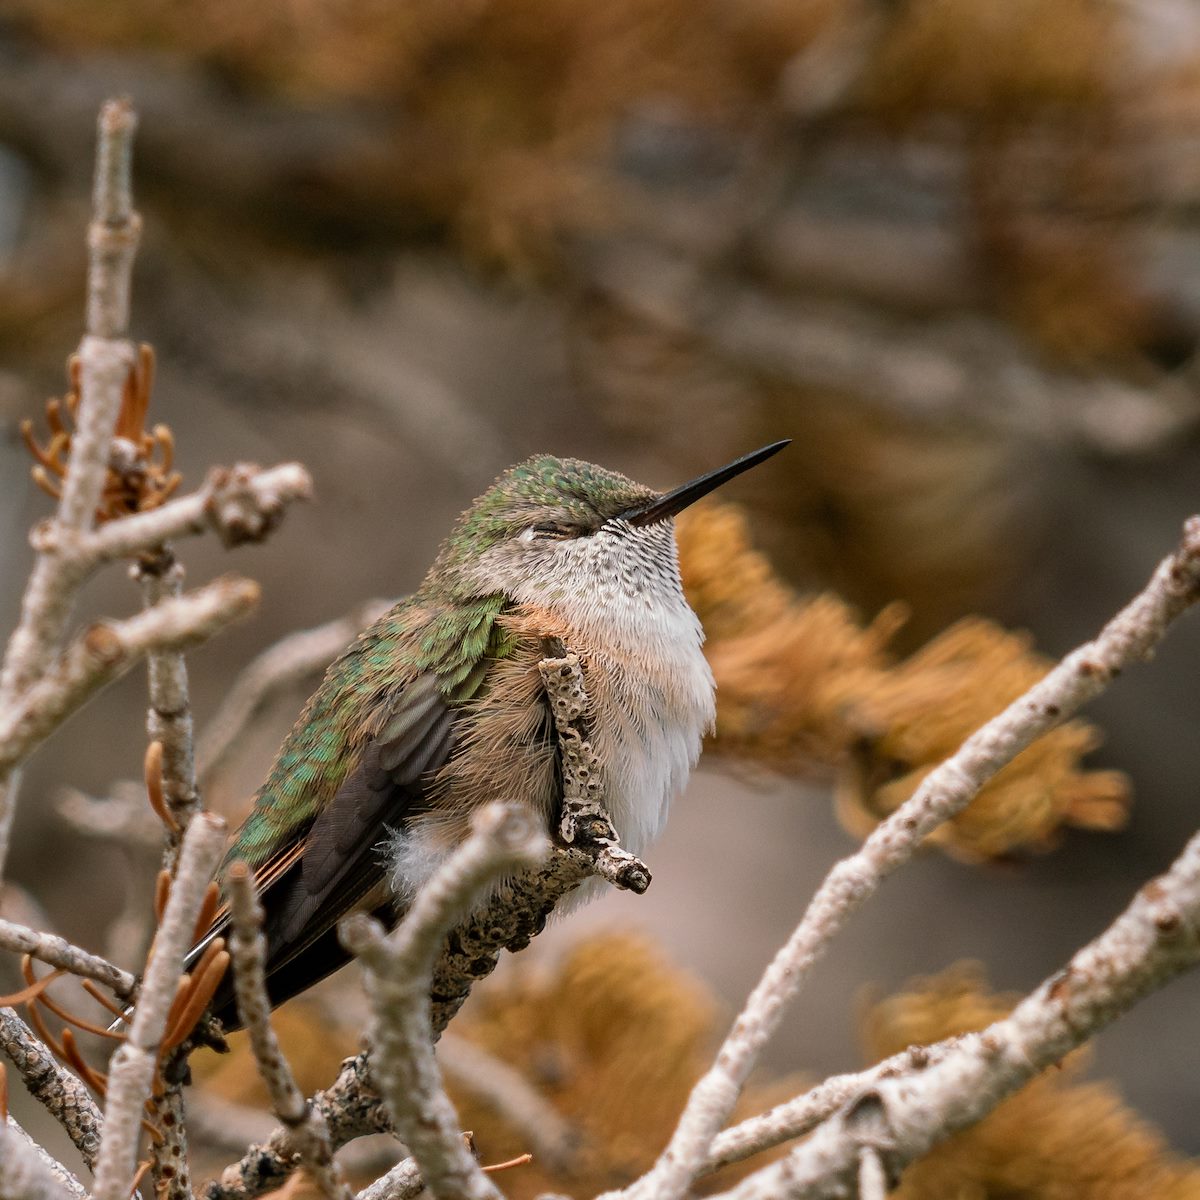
649	682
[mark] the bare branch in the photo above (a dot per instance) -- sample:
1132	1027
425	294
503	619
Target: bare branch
288	661
249	948
241	503
63	1096
796	1117
402	1182
1153	940
58	952
57	1171
108	649
105	359
116	227
133	1065
1083	674
169	716
399	976
24	1174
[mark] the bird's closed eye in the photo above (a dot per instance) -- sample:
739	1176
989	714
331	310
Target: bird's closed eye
548	532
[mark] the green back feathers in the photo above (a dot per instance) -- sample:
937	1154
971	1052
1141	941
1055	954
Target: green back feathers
458	643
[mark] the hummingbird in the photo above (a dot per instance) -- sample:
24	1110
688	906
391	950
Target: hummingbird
438	707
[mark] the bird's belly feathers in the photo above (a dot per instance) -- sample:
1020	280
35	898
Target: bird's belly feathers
652	703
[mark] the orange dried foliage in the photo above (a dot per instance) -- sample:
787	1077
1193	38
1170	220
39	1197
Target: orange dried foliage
801	686
1056	1139
140	475
919	712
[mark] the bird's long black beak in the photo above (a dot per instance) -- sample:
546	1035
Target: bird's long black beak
676	501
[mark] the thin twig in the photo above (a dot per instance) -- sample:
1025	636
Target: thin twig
57	1090
796	1117
105	361
58	952
108	649
945	791
169	716
288	661
399	975
133	1065
249	949
116	227
872	1179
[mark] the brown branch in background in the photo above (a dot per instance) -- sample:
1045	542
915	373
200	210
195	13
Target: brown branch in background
60	1093
309	1134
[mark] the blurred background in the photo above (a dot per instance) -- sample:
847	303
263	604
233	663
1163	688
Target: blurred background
949	247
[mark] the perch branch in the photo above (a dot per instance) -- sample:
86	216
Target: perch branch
133	1065
399	977
249	948
1083	674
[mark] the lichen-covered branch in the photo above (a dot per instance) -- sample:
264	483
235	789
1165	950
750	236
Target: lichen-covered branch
57	1090
249	949
1083	674
133	1065
399	976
